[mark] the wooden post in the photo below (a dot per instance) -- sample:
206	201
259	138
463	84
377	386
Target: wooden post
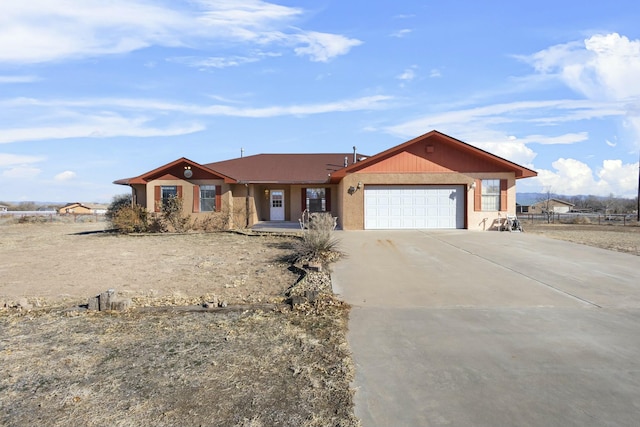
105	299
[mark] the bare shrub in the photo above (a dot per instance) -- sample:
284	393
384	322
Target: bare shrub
580	220
215	221
117	203
174	216
317	241
130	219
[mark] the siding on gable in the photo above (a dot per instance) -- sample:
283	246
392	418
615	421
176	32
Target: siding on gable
431	156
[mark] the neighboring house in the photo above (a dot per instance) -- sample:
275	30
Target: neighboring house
432	181
3	208
551	206
82	209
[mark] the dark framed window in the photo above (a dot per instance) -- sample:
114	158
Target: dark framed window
316	200
167	192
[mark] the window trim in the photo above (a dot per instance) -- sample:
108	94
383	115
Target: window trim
502	195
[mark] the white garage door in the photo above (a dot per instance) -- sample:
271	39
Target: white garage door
413	207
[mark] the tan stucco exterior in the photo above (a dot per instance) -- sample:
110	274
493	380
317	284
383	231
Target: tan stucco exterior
147	193
483	220
431	159
351	206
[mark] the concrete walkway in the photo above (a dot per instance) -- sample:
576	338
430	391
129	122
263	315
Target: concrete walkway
490	329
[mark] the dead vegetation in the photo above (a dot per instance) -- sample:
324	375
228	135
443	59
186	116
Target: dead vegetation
160	364
613	237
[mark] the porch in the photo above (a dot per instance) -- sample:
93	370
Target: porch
277	226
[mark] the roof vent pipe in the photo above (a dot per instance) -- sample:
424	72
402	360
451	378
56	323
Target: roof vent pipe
355	158
346	161
241	152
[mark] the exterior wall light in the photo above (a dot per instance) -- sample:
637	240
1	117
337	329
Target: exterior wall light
353	189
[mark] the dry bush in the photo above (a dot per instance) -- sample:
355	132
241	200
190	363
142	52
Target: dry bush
317	241
215	221
580	220
173	215
130	219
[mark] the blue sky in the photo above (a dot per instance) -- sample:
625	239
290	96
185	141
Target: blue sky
92	91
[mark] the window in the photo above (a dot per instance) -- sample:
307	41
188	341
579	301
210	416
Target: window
316	200
490	194
168	191
207	198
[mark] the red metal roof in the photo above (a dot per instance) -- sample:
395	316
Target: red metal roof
283	168
311	168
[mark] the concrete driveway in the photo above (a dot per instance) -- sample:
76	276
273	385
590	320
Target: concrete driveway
459	328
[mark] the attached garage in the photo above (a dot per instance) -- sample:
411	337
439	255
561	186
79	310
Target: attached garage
413	207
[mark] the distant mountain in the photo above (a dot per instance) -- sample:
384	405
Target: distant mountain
528	199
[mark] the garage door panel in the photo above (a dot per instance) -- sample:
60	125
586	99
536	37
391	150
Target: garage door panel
414	207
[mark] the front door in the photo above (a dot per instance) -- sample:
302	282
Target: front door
277	205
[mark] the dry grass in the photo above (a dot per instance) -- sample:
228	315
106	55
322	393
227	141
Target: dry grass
613	237
154	369
170	366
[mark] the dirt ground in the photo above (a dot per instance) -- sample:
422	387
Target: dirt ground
165	362
54	261
613	237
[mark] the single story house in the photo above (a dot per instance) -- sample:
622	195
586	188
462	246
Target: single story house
82	209
551	206
3	208
432	181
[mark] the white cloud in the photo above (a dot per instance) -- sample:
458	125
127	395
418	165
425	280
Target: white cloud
73	118
42	31
408	74
514	151
321	47
356	104
401	33
468	124
65	176
214	61
435	73
572	176
18	79
17	159
21	172
564	139
604	66
95	127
